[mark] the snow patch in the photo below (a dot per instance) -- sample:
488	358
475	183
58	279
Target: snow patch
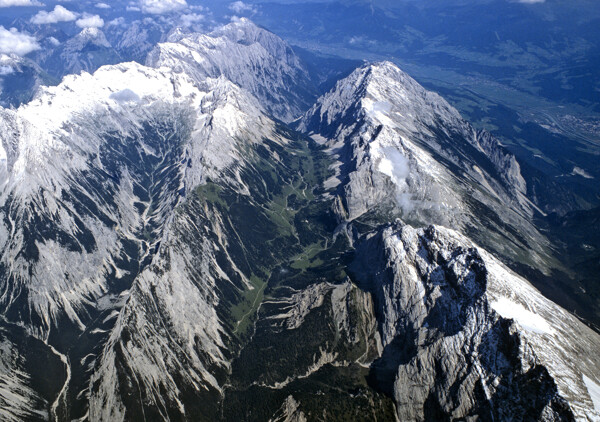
577	171
593	391
526	319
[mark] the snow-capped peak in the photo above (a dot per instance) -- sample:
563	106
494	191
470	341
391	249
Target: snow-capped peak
88	35
253	58
386	95
246	32
411	151
107	87
85	125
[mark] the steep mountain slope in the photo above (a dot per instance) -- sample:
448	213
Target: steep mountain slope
249	56
464	336
92	173
53	148
170	252
86	51
134	40
30	375
404	151
143	215
577	235
19	80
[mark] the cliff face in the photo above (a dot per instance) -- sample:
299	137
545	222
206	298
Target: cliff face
249	56
464	336
403	151
169	250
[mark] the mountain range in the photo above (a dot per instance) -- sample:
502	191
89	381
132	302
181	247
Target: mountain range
213	235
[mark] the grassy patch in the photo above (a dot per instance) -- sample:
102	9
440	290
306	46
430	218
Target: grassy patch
211	192
307	258
245	310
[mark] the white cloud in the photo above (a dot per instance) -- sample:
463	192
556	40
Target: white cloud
116	22
10	3
59	14
578	171
6	70
191	18
90	21
15	42
240	7
160	7
360	40
125	96
133	9
102	6
54	41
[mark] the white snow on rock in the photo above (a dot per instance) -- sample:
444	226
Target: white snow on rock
410	150
50	141
251	57
594	391
447	295
526	319
59	139
216	90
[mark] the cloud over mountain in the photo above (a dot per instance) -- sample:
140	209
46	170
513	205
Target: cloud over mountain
59	14
90	21
14	42
160	7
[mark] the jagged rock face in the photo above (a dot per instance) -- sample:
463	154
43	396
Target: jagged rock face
289	412
19	80
465	337
136	39
92	173
186	338
163	208
22	396
405	151
81	161
86	51
170	252
251	57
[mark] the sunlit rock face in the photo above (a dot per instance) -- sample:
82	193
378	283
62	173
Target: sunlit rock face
247	55
404	151
170	249
463	336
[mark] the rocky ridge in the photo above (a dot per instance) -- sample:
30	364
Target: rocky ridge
167	245
247	55
464	336
404	151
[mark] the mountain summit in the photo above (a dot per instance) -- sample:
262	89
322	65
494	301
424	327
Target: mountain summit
249	56
172	249
404	151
